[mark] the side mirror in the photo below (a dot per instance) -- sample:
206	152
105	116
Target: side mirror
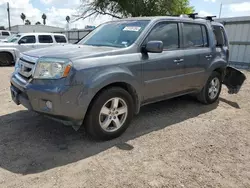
154	47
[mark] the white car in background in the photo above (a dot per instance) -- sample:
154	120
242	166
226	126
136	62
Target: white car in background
4	34
17	43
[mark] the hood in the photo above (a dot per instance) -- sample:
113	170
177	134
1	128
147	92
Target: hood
71	51
4	45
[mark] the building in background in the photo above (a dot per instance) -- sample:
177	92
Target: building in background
34	28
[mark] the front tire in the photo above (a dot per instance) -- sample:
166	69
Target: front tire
5	59
211	91
110	114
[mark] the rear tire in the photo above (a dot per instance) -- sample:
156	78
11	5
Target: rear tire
6	59
211	91
110	114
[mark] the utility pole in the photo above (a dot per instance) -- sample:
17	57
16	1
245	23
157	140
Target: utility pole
8	10
220	10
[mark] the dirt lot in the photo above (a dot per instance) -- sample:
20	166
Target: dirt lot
177	143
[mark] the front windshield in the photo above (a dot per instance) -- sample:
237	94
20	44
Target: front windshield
14	38
116	34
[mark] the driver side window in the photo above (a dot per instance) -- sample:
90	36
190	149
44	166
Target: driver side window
168	33
27	40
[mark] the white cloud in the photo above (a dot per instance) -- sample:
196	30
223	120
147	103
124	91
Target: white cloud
210	0
242	7
55	16
204	13
46	1
65	3
228	1
16	8
233	1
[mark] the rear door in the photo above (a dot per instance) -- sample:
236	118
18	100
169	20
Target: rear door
44	41
163	72
197	54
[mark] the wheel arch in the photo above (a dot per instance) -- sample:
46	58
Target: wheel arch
12	55
124	85
221	71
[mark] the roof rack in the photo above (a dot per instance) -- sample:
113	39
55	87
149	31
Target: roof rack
194	16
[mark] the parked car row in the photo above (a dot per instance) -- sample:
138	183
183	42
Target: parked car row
12	46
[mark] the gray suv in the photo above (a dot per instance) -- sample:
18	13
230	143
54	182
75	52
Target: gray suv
102	81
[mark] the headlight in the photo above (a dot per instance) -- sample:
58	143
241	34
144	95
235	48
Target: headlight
52	68
17	61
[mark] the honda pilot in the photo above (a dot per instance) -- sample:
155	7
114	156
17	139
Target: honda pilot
102	81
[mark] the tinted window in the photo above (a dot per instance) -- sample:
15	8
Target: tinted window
193	36
60	39
167	33
219	35
28	39
45	39
4	33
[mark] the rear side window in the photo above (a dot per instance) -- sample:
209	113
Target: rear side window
27	40
4	33
168	33
219	35
195	35
60	39
45	39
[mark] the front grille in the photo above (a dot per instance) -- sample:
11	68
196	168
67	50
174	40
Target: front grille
26	65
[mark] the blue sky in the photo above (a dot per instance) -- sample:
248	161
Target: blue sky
57	10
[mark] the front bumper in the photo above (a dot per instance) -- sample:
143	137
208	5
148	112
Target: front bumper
68	105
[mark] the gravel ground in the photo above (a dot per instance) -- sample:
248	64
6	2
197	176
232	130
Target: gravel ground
176	143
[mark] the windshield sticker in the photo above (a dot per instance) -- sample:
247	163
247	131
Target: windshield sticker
132	28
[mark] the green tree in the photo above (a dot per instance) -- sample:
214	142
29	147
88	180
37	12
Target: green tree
23	17
27	22
38	23
44	17
133	8
67	19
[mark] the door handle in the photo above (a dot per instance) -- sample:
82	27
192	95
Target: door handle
208	56
178	60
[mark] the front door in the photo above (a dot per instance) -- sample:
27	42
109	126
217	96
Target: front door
162	72
27	43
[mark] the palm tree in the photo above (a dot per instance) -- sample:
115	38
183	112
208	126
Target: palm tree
23	17
38	23
67	19
44	17
27	22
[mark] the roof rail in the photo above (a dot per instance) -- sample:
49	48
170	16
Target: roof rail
194	16
210	18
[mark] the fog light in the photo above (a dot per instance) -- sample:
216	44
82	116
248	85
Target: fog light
49	104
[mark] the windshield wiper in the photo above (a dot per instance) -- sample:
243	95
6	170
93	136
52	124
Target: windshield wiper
106	45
